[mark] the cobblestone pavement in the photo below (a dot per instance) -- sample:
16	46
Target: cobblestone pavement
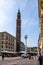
19	61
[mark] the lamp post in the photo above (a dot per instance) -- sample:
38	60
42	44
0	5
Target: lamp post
25	43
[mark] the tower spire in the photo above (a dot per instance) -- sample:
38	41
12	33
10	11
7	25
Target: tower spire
18	10
18	14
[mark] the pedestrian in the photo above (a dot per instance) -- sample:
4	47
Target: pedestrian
40	59
2	56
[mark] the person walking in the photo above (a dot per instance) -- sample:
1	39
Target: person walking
2	56
40	59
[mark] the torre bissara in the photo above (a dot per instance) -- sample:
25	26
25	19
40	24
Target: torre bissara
18	31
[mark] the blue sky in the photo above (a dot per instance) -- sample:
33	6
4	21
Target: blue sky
29	19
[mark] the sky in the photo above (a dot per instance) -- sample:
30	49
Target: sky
29	19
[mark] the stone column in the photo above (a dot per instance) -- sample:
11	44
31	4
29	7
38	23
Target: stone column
25	43
14	45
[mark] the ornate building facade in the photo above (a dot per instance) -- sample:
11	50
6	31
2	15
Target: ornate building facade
18	31
40	7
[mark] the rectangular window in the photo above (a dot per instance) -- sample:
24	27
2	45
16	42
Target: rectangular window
2	42
2	46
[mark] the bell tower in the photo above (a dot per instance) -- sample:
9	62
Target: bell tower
18	31
40	7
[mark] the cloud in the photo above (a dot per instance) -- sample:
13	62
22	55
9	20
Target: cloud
24	23
24	3
29	23
21	4
6	6
31	20
2	18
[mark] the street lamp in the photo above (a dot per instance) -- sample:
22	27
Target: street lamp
25	43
